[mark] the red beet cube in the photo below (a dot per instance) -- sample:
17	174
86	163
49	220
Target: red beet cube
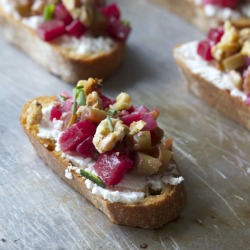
106	101
204	50
76	28
118	30
150	122
215	34
111	167
75	135
111	10
55	113
87	148
222	3
61	13
51	30
133	117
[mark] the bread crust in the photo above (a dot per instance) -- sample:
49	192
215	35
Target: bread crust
151	213
70	67
194	14
231	106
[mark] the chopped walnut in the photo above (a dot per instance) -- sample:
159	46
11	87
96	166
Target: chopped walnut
105	139
136	127
81	9
244	35
90	85
94	101
229	43
246	48
236	79
34	113
123	102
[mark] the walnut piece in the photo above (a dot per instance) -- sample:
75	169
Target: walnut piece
123	102
34	113
94	101
105	139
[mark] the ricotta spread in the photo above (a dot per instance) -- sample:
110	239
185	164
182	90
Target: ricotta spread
52	130
224	13
86	45
202	68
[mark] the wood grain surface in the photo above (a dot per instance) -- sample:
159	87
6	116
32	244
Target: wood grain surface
39	211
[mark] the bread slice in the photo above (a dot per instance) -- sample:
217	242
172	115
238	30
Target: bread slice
195	14
56	59
231	106
152	212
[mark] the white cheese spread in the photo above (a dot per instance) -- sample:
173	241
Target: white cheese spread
202	68
224	13
52	130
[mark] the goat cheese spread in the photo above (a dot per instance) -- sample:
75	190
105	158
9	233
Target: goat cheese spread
52	130
224	13
86	45
200	67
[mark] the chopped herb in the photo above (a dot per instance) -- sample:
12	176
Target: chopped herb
62	98
126	22
111	112
79	87
97	180
111	128
74	107
81	99
48	12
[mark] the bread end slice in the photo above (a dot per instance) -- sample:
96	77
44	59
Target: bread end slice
57	60
152	212
231	106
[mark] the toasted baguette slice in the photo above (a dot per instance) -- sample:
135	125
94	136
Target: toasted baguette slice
56	59
231	106
152	212
196	15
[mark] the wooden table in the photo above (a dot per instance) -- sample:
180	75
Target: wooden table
39	211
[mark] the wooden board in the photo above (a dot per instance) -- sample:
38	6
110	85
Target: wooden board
39	211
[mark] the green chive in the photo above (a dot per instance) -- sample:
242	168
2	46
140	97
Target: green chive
48	12
81	99
111	128
79	87
111	112
97	180
62	98
126	22
74	108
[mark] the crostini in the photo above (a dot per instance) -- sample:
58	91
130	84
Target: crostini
217	70
110	151
206	14
73	39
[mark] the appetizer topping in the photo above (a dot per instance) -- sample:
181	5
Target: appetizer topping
118	136
75	18
228	49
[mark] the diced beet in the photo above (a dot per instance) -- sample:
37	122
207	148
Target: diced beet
156	135
204	50
55	113
111	167
51	30
75	135
133	117
61	13
87	148
215	34
142	109
106	101
118	30
66	106
76	28
150	122
111	10
248	100
222	3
